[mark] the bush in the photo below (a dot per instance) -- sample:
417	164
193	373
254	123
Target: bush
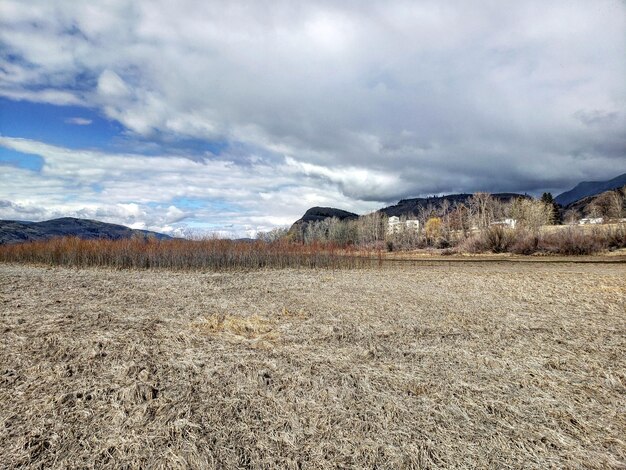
494	239
184	254
498	239
568	241
616	237
442	243
526	243
574	241
472	244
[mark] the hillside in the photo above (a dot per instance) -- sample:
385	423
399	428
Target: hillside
411	207
589	188
315	214
582	206
407	207
12	231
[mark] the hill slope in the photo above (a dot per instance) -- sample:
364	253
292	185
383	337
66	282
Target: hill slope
315	214
12	231
589	188
407	207
411	207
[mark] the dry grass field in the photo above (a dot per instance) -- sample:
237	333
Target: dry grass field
439	365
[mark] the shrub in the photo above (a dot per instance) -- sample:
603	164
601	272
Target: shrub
494	239
574	241
616	237
184	254
471	244
526	243
442	242
498	239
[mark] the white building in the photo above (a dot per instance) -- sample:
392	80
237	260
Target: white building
591	221
394	225
511	223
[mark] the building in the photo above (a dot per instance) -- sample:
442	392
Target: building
395	225
511	223
591	221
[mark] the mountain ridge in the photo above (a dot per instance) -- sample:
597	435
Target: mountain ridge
589	188
412	206
14	231
317	213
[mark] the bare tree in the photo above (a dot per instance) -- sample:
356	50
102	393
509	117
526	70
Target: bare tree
571	216
608	204
530	213
481	207
273	235
371	228
460	218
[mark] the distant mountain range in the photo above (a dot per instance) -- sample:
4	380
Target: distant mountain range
581	194
589	188
12	231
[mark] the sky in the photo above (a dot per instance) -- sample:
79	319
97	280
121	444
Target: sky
199	117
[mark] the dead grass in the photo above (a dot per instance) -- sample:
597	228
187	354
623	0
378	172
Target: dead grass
255	330
215	254
449	365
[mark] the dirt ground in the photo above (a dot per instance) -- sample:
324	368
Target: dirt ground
439	365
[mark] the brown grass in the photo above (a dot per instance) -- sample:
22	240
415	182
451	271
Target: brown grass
212	254
449	365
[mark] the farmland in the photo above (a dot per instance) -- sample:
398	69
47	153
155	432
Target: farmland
409	365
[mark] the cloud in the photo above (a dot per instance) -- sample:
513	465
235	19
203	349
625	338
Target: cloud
364	103
110	85
164	192
51	96
78	121
358	183
596	117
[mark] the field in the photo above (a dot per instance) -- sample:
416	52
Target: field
409	365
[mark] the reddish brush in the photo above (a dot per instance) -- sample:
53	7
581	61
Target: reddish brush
184	254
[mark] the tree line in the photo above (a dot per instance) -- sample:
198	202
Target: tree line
448	223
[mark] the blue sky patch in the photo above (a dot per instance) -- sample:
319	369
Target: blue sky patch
52	124
20	160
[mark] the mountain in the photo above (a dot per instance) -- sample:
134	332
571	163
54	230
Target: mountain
12	231
582	206
411	207
315	214
589	188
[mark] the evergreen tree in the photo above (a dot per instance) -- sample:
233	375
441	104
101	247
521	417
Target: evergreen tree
549	201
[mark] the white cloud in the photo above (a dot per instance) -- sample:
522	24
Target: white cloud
140	191
58	97
78	121
110	85
359	183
